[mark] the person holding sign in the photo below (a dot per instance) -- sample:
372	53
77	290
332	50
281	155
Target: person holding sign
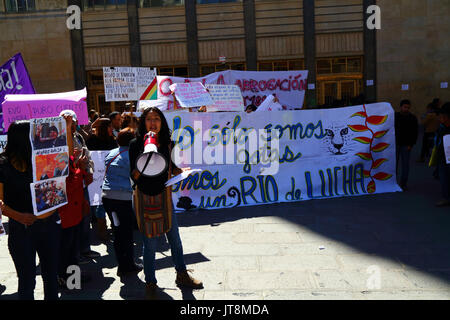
28	234
153	201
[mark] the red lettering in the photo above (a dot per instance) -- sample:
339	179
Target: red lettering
167	93
271	85
239	84
262	85
254	85
221	80
302	85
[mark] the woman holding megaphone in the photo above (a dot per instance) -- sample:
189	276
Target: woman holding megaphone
151	166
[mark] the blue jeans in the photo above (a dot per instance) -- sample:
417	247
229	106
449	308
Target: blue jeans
176	248
404	154
98	211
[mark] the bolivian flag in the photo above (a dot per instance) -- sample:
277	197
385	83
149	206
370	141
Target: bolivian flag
151	92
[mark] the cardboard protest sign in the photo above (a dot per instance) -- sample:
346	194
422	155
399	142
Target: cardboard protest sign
31	106
129	83
50	155
191	94
269	104
95	188
48	195
225	97
14	79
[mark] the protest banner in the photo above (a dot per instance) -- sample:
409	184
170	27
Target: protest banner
225	97
14	79
95	188
129	83
50	153
191	95
31	106
288	86
320	154
48	195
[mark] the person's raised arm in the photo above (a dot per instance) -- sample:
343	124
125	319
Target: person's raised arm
69	133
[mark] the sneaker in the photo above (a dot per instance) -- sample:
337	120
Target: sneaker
443	203
135	268
185	280
151	291
90	254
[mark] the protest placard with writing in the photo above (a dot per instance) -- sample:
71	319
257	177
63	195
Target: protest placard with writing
192	94
225	97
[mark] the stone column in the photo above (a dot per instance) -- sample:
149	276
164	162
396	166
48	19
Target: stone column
192	38
370	56
133	32
251	55
79	65
309	30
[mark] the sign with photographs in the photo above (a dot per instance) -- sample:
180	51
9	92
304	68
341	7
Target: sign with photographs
50	160
48	195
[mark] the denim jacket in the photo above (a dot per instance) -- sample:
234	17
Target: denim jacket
117	176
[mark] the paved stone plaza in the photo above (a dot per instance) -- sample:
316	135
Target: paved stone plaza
319	249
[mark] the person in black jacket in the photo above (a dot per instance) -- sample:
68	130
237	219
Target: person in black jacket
443	167
406	132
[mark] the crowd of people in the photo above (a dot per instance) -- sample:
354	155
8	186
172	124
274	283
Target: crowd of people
61	237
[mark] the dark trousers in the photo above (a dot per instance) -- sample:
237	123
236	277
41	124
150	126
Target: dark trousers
427	144
43	238
123	233
404	155
70	249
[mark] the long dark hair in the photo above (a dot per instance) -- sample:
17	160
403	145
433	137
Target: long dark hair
163	135
18	146
102	130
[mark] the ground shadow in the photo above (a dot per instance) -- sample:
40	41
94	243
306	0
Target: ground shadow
405	227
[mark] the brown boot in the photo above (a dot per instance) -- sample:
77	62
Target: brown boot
102	229
185	280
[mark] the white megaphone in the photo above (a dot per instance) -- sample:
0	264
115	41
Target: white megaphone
151	163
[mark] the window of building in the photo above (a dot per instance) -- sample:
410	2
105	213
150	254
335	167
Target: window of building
19	5
180	71
160	3
339	65
216	1
104	4
211	68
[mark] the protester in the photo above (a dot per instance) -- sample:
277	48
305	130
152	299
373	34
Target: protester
430	124
117	197
151	191
116	121
250	108
72	213
28	234
129	121
442	166
103	139
406	132
81	151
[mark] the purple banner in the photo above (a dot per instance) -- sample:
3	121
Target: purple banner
14	79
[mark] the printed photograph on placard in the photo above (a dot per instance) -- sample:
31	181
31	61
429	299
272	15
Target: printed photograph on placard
51	165
48	195
48	133
2	229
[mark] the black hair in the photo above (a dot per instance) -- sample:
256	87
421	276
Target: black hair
163	135
252	107
53	128
113	114
18	146
405	101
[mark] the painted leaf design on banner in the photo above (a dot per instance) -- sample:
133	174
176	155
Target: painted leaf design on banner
359	114
366	173
357	127
379	134
382	176
376	120
380	147
371	187
378	162
365	156
364	140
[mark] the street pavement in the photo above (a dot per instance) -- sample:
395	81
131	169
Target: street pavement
384	246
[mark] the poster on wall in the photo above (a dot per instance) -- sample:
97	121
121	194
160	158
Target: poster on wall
253	159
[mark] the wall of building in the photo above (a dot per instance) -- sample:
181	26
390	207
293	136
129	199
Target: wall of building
44	42
413	48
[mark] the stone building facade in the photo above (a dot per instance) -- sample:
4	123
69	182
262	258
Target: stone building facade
188	37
